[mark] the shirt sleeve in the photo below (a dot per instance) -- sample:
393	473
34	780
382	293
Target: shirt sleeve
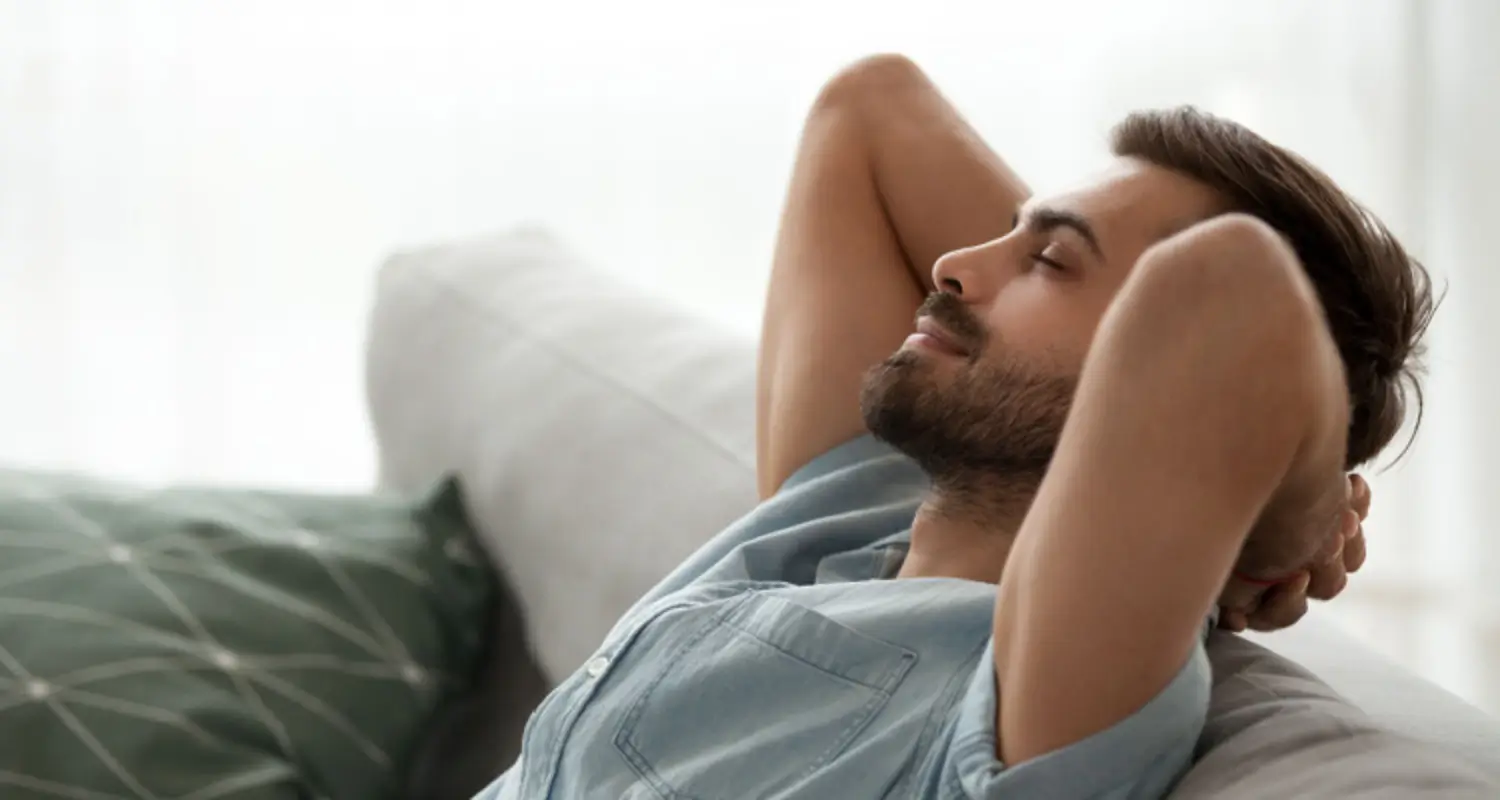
1139	757
842	500
504	787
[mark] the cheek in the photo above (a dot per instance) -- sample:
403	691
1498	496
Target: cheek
1042	325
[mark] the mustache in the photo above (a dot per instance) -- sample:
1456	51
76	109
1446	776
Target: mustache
950	312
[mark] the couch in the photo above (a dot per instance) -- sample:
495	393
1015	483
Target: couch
602	434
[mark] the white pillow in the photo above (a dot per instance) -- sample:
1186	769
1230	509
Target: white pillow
600	435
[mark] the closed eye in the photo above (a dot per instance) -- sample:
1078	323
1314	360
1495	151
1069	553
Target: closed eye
1048	263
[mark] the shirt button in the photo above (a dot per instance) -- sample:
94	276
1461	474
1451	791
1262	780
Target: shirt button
596	667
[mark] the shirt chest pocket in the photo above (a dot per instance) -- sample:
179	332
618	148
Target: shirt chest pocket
759	698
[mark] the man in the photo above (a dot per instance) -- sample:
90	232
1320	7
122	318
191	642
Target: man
1122	413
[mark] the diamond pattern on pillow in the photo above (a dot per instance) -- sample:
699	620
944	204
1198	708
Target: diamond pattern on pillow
211	643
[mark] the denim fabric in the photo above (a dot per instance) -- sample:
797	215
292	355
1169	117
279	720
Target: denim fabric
779	661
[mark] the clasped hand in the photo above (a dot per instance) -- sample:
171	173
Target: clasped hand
1268	597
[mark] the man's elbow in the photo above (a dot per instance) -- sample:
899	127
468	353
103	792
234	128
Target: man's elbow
866	83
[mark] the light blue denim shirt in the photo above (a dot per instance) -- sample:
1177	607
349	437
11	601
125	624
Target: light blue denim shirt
779	661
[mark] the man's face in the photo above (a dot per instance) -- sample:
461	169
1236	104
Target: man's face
984	386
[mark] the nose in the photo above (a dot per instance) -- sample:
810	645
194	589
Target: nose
972	273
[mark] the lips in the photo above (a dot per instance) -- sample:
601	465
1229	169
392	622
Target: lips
940	335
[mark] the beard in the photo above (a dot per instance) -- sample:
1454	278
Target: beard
984	434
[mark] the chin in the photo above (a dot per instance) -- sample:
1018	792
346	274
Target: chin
926	354
904	374
893	391
995	419
912	365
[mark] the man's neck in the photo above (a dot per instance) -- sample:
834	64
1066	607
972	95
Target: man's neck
955	535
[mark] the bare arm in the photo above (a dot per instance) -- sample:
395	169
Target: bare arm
1212	386
888	177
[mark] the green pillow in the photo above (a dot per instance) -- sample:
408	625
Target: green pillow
205	644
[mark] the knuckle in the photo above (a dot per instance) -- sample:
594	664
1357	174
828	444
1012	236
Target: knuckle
1290	612
1329	583
1354	557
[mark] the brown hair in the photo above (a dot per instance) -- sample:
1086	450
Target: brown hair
1377	298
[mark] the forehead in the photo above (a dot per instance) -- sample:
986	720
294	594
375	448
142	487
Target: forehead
1133	204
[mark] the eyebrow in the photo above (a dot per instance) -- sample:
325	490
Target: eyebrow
1044	219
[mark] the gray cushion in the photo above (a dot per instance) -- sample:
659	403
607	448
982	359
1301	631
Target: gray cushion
1389	694
1276	730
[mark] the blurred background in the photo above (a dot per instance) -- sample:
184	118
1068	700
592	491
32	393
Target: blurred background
194	198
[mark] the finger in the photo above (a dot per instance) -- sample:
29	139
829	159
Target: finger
1232	620
1354	551
1333	543
1359	495
1350	525
1240	594
1328	580
1283	606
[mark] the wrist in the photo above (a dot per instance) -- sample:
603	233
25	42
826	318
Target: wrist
1291	532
